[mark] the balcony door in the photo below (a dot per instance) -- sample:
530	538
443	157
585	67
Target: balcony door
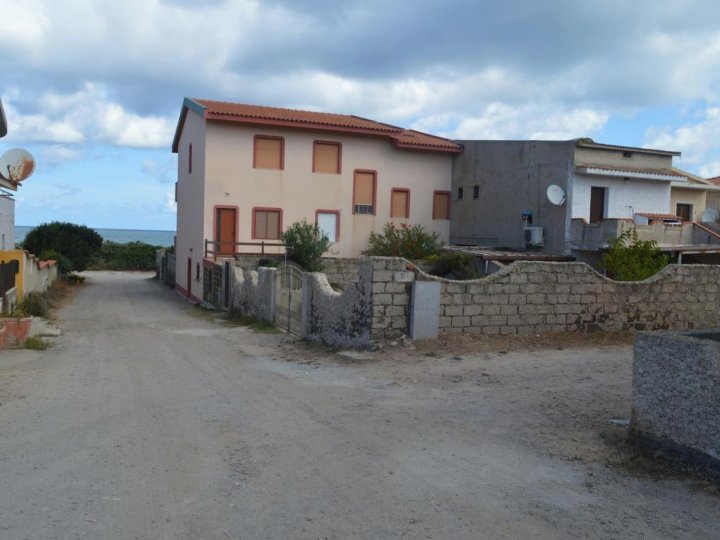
597	204
225	230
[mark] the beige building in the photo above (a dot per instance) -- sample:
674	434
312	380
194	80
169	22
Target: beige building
690	200
246	172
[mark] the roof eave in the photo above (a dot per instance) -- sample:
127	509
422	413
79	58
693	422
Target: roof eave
188	104
426	147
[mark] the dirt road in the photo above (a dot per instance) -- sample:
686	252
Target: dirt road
148	419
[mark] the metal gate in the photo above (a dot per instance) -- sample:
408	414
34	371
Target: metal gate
288	298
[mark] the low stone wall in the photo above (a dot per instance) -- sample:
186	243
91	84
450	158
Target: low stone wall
341	271
253	292
676	395
165	267
550	297
338	319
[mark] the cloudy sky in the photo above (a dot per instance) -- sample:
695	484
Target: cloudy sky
93	88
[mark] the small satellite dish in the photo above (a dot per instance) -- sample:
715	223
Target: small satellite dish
710	215
16	165
555	195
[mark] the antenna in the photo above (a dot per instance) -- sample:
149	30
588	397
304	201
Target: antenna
16	165
555	195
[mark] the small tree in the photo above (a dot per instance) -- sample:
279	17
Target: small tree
305	244
632	259
76	243
411	242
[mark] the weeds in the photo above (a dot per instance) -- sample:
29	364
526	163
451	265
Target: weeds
234	316
36	343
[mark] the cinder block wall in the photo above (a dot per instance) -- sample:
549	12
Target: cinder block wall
551	297
676	395
253	292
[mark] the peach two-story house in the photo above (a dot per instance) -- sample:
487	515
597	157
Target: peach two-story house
246	172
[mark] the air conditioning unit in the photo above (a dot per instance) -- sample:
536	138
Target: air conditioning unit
533	236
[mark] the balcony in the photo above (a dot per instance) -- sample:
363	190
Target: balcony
594	236
229	250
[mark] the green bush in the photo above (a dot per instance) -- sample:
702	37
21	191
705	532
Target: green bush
632	259
129	256
64	264
305	244
33	303
454	265
411	242
77	243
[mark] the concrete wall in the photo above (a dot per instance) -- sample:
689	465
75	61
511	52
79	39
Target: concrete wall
33	275
512	176
338	319
7	222
253	292
594	236
191	232
551	297
608	157
676	395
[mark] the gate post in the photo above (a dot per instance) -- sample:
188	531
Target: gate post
307	285
271	274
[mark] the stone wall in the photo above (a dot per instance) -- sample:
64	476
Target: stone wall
253	292
676	395
165	267
341	271
338	319
550	297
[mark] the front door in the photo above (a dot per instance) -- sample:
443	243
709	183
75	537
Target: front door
225	230
684	211
597	204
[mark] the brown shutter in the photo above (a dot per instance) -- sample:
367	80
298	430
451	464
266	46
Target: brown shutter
273	225
399	204
268	153
364	188
260	224
327	158
441	206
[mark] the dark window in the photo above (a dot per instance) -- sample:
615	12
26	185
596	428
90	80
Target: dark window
460	193
476	192
627	154
597	204
684	211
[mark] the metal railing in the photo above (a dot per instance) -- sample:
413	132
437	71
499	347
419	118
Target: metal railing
215	249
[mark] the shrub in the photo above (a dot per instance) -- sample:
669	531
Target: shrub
76	243
64	264
128	256
36	343
411	242
305	244
632	259
454	265
35	304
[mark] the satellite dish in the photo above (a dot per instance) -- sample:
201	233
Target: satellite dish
555	195
710	215
16	165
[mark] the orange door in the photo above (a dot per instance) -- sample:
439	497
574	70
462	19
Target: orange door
225	230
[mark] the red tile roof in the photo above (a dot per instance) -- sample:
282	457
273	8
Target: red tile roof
658	216
339	123
715	180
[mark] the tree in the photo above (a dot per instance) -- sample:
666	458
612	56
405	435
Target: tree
305	244
632	259
77	244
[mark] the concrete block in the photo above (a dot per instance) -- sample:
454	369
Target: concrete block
404	276
425	310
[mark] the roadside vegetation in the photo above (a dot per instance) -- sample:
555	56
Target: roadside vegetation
632	259
305	244
72	246
409	241
129	256
235	317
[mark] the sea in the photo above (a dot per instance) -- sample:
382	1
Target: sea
121	236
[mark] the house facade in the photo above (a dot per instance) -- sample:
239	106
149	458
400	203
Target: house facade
564	197
246	172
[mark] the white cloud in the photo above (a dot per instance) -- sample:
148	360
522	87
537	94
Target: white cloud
698	142
170	204
56	154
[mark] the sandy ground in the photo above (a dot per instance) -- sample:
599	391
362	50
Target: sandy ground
150	418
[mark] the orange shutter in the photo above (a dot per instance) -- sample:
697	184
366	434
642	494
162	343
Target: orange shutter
260	224
327	158
273	225
399	204
268	153
364	188
441	206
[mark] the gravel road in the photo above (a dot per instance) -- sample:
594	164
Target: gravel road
148	419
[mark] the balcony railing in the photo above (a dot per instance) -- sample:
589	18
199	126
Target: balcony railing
215	249
594	236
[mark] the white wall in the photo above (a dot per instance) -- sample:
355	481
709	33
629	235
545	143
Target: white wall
7	223
642	195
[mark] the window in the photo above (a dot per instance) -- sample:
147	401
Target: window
326	157
460	193
627	154
441	205
267	223
329	223
400	203
190	159
476	192
268	152
597	204
364	192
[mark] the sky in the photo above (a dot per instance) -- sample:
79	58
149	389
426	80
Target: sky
93	88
